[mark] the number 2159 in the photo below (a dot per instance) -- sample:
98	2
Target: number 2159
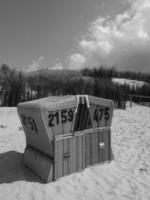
60	117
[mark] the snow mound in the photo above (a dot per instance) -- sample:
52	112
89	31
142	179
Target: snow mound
129	82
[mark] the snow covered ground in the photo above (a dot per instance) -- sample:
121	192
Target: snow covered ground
129	82
126	177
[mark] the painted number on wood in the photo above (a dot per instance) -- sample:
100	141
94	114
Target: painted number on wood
60	117
100	112
29	122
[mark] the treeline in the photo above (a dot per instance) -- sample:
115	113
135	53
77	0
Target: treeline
17	87
12	86
106	72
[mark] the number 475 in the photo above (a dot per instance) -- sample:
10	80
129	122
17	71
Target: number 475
100	112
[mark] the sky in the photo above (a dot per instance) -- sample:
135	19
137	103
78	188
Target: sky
73	34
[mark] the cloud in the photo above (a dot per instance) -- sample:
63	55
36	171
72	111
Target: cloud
123	41
76	61
57	65
36	65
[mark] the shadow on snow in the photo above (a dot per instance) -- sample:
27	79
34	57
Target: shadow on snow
12	169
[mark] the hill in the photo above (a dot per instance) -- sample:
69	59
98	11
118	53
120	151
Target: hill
129	82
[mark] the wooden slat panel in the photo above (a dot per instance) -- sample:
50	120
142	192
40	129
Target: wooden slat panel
65	157
91	148
59	173
105	146
73	154
60	158
106	153
83	151
69	155
79	153
109	145
99	152
87	150
100	149
68	159
55	160
95	148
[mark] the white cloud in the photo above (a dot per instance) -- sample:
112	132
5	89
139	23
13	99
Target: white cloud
76	61
36	65
123	41
57	65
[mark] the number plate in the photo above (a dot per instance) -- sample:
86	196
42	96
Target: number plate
29	122
101	116
60	117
